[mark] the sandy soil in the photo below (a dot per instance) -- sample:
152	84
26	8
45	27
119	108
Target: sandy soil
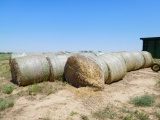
85	101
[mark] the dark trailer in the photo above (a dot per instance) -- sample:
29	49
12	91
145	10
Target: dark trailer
152	45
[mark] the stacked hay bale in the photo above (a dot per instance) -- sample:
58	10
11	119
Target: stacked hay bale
129	60
30	69
86	70
139	60
18	55
116	67
57	64
148	59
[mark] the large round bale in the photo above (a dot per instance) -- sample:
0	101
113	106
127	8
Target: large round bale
129	60
57	64
17	55
148	59
86	70
119	56
30	69
139	60
117	69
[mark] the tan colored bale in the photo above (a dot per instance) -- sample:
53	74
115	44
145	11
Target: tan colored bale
119	56
139	60
129	60
85	70
30	69
117	69
148	59
17	55
57	64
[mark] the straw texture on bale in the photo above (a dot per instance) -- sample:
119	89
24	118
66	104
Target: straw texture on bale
116	68
129	60
17	55
139	60
57	64
119	56
148	59
85	70
30	69
98	53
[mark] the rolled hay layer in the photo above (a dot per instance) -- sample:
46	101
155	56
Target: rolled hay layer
30	69
17	55
86	70
47	54
148	59
57	64
119	56
99	53
139	60
117	69
129	60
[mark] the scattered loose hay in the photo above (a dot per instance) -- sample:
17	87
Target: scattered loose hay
57	64
139	60
116	68
83	70
129	60
30	69
148	59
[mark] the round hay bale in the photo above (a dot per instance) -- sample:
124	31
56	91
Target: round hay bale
117	69
57	64
85	70
119	56
148	59
17	55
139	60
129	60
30	69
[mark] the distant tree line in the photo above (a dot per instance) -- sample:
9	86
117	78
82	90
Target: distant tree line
5	52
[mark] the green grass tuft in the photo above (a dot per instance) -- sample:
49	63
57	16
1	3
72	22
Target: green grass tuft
145	100
141	116
84	117
73	113
4	103
8	89
104	113
157	114
35	89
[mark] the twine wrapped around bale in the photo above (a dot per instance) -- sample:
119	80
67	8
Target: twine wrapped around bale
30	69
117	69
148	59
85	70
57	64
119	56
129	60
17	55
139	60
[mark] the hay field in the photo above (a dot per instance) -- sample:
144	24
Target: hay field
136	97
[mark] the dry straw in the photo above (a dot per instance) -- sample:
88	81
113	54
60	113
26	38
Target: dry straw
57	64
17	55
129	60
148	59
139	60
84	70
116	68
30	69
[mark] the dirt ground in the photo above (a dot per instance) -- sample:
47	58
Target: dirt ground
71	103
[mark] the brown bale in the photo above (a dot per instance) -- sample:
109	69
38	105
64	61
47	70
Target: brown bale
85	70
30	69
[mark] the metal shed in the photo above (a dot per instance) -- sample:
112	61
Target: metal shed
152	45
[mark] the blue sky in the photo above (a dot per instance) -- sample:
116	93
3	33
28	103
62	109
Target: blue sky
75	25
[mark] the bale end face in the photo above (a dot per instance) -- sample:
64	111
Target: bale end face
81	71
